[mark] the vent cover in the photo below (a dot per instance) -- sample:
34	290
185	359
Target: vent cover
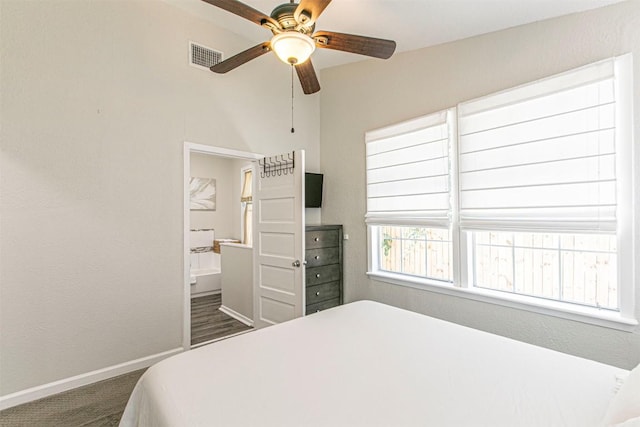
203	57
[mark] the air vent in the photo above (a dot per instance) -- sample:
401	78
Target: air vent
203	57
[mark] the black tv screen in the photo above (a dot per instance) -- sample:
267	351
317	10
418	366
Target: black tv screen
313	190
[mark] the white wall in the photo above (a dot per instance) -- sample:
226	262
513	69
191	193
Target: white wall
97	101
368	95
237	279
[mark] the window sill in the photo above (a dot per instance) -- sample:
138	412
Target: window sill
593	316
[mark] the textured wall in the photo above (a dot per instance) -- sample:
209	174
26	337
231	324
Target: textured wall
97	101
369	95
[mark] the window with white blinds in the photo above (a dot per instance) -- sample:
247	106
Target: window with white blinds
408	172
522	197
542	156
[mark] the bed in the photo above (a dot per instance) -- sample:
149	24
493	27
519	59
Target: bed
369	364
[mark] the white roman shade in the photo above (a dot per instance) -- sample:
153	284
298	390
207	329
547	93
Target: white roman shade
542	155
408	172
246	195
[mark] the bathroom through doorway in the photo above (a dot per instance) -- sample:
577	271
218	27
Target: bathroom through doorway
215	209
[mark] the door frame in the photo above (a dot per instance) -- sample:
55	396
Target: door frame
191	147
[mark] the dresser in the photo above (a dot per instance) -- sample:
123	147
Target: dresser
323	256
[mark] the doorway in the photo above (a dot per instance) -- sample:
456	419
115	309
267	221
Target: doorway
189	149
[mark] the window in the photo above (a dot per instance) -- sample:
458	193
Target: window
574	268
408	172
246	201
416	251
521	196
408	197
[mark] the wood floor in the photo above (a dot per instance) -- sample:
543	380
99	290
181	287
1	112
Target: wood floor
208	323
102	404
96	405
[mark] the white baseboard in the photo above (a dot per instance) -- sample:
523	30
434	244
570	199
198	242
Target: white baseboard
59	386
242	318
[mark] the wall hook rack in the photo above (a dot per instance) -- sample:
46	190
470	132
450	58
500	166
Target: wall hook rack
282	164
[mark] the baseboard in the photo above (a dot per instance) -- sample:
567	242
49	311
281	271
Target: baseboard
242	318
45	390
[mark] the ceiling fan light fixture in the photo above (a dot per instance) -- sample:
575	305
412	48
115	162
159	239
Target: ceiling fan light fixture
292	47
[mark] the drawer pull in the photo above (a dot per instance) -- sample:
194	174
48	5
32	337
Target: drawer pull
317	311
317	239
317	257
317	275
318	293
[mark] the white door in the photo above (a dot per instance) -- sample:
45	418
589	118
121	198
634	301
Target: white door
278	256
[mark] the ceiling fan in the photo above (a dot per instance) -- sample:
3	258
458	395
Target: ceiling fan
294	40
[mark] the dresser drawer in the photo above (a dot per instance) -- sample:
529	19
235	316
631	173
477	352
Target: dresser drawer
324	256
326	273
314	308
322	239
319	293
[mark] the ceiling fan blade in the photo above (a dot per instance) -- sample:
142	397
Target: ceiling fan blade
308	11
377	48
308	78
243	11
239	59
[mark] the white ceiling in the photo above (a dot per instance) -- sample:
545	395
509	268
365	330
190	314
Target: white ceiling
412	24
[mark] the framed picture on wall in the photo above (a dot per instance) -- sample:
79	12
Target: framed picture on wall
203	194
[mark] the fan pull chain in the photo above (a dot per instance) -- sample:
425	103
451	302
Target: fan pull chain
292	129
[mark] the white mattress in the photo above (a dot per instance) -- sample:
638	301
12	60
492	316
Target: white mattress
368	364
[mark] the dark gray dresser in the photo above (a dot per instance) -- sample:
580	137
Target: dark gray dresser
323	256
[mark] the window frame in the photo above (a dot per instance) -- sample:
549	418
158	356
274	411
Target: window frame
462	250
245	239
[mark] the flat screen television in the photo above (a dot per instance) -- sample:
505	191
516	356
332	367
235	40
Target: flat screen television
313	190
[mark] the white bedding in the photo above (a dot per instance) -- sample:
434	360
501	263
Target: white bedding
368	364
